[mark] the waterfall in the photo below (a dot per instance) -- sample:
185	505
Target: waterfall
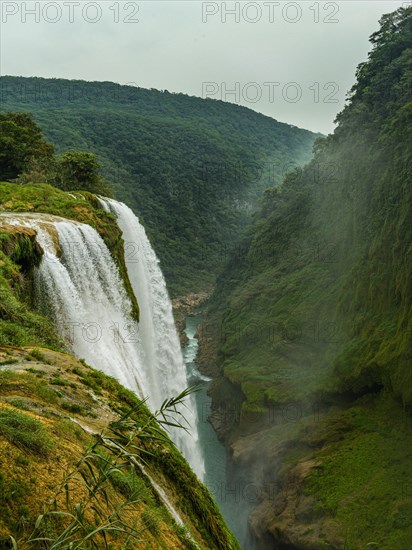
79	286
164	365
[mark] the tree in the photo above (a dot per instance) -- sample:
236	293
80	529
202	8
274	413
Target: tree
78	170
21	141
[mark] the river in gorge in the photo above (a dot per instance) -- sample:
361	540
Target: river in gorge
219	478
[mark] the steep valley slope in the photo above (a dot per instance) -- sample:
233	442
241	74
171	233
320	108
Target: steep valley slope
308	333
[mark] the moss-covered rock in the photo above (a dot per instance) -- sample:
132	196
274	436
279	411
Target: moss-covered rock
20	244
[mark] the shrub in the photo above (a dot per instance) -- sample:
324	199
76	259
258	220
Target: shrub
73	407
37	355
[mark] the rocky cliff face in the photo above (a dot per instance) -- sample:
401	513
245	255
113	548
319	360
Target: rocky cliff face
184	306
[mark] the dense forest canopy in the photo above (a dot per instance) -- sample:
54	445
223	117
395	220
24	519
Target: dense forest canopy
192	169
21	141
25	157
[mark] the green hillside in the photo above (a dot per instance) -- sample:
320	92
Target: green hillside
192	169
314	308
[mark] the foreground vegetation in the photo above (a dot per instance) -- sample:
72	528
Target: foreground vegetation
78	456
315	308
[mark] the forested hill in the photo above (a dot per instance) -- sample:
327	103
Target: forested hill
192	169
315	310
329	254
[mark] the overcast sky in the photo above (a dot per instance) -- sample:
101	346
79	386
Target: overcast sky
293	61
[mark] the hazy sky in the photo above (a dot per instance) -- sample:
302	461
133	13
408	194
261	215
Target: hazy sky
293	61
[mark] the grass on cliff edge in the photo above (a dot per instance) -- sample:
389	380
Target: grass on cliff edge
26	433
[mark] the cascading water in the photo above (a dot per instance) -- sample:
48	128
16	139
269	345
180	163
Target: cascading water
83	292
164	366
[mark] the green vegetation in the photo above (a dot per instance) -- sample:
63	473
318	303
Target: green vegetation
37	355
21	143
24	432
192	169
100	465
130	485
27	382
373	503
94	490
21	247
12	497
74	408
26	158
319	288
81	171
315	304
19	324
